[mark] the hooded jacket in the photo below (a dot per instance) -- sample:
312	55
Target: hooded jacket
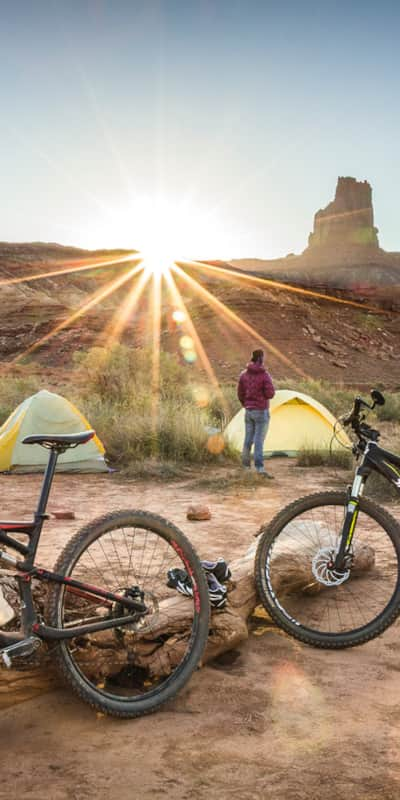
255	387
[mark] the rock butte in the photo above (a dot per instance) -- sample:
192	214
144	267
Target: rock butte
348	219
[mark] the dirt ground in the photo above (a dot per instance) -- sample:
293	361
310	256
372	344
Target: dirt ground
276	719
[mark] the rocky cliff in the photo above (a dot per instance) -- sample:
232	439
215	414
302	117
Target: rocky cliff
348	219
343	253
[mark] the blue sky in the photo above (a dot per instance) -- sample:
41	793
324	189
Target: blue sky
226	123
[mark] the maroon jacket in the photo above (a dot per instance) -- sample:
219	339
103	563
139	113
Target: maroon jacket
255	387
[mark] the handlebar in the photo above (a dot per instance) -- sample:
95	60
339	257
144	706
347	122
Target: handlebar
356	419
354	415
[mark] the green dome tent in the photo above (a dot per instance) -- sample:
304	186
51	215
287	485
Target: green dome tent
297	422
46	412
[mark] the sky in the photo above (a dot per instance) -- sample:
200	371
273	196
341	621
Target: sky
216	126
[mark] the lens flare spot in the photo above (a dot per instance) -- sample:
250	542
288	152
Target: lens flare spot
300	710
186	343
190	356
201	396
178	316
215	444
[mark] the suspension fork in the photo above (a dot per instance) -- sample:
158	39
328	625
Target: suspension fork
349	524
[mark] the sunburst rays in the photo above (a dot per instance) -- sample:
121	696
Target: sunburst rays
233	319
72	268
178	301
95	299
138	277
242	277
156	333
115	328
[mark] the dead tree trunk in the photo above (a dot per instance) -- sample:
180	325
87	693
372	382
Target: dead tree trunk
228	628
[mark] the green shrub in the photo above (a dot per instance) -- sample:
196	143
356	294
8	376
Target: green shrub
121	373
391	410
370	321
223	405
380	489
116	394
130	433
312	457
13	391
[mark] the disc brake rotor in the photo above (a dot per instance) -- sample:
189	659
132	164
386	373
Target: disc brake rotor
323	568
144	622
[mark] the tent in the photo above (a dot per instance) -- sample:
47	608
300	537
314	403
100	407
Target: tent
297	421
48	413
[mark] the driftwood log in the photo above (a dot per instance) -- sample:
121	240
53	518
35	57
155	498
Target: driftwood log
228	629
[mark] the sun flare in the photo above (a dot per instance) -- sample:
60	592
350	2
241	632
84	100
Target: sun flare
157	260
163	227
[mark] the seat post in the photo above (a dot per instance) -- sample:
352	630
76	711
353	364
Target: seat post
47	481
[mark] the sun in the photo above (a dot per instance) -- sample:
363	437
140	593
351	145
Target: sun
159	257
168	232
164	228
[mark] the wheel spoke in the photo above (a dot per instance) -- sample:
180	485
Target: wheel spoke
145	658
301	589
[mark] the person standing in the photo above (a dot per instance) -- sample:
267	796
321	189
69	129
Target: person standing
255	389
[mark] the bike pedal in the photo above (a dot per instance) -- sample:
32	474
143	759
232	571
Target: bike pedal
19	650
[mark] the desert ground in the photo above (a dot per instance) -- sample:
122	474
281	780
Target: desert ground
275	719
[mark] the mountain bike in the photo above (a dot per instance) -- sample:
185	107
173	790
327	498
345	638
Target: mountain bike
115	628
327	567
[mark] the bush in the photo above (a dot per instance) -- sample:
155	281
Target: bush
13	391
312	457
130	433
223	405
380	489
391	410
120	374
117	396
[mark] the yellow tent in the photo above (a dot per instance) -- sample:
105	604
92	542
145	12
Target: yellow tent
297	421
48	413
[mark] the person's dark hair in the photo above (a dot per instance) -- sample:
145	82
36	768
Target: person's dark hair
258	356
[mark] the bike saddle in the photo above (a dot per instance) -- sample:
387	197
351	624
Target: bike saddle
56	439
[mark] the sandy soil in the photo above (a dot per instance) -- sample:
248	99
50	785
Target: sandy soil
276	719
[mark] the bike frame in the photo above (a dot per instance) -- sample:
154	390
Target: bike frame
26	570
375	459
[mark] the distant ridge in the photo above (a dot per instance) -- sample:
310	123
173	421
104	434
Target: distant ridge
343	253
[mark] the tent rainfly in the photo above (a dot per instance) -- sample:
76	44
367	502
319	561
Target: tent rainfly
47	413
297	422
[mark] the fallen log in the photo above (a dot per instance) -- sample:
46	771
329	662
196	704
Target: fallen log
159	645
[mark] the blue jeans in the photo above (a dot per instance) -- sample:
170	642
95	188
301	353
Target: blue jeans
256	426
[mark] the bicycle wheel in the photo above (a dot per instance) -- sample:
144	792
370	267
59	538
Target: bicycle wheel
304	596
132	669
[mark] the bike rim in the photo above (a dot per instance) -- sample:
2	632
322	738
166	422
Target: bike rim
138	661
307	591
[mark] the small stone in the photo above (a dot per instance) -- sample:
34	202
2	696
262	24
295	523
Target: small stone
198	513
63	514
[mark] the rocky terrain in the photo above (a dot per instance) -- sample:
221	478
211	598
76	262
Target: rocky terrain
354	342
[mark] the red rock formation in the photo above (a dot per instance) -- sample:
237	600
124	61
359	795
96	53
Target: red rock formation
348	219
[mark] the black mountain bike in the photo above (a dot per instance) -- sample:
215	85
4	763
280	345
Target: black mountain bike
328	565
116	630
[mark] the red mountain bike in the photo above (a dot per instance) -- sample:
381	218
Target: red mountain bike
115	629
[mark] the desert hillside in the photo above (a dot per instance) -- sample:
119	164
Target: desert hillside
344	328
314	335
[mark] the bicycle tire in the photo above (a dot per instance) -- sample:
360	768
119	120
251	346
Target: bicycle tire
164	546
292	607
